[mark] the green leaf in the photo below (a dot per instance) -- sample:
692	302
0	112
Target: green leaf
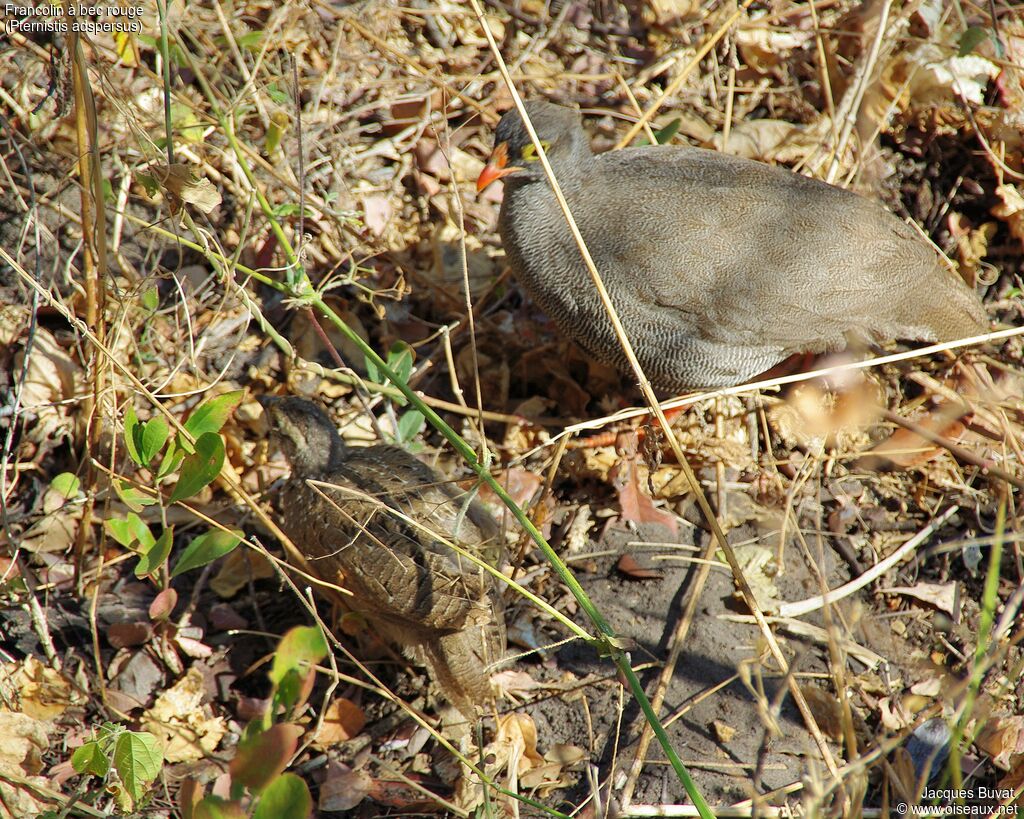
285	210
130	529
66	484
137	759
201	467
186	123
171	461
409	424
372	372
149	182
664	135
205	549
971	39
287	691
152	439
150	299
278	95
250	40
275	133
400	359
300	648
131	425
214	807
89	758
287	797
211	415
153	557
132	497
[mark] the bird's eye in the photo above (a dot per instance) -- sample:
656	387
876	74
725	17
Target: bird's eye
530	151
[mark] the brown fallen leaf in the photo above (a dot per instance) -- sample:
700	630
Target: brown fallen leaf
630	568
183	723
343	788
944	596
42	692
635	504
23	741
182	186
342	721
1003	740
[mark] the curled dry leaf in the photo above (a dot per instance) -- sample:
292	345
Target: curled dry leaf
23	741
944	596
763	46
52	380
182	186
1011	210
760	569
971	244
1003	740
42	692
183	723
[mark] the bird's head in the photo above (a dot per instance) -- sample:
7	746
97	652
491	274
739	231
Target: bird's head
305	434
515	156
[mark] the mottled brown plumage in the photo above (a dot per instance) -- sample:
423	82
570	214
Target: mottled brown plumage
417	592
719	267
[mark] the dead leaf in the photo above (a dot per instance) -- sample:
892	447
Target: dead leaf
52	381
135	677
630	568
23	741
377	213
342	722
343	788
944	596
1002	739
53	533
125	635
43	692
636	505
1011	210
516	742
182	186
183	723
765	46
760	570
512	681
237	568
971	244
521	485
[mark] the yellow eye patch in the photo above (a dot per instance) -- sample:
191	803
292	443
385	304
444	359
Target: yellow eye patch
530	151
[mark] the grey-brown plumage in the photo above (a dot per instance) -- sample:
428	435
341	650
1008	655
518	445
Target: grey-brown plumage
444	610
719	267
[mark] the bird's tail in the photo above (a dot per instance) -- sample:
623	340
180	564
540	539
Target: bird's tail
462	662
